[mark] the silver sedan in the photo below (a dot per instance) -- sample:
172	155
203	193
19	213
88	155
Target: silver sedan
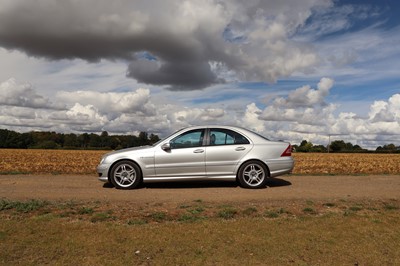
200	153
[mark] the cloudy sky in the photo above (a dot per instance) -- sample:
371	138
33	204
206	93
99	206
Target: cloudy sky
289	69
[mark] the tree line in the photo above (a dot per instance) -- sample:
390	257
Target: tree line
341	146
53	140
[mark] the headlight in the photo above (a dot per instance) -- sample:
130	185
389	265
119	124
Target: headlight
102	160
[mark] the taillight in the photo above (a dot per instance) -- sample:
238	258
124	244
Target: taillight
287	152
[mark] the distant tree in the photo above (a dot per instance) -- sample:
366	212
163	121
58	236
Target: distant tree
133	141
295	147
26	140
388	148
337	146
143	139
341	146
71	141
46	144
94	141
319	148
357	148
348	147
84	140
153	138
305	146
105	140
53	140
13	139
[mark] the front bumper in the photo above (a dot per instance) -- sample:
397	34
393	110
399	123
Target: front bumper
102	171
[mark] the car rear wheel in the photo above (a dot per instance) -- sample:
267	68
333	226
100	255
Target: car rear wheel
125	175
253	174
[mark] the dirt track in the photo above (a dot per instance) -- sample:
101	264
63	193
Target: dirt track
86	187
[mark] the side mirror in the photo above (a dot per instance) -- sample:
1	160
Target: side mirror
166	147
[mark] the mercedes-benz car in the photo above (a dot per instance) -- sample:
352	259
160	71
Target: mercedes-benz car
200	153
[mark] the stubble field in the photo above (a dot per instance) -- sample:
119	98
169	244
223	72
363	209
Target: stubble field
14	161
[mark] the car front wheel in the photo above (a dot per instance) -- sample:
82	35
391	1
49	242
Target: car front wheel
125	175
253	174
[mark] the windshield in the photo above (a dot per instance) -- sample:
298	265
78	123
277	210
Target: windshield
161	140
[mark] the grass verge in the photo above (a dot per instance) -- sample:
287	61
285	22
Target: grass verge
89	233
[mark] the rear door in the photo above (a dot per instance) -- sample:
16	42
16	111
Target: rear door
224	151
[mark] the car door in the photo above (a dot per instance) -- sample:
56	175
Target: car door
224	151
184	158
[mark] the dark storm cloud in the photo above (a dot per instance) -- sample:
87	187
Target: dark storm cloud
185	37
179	75
94	30
90	30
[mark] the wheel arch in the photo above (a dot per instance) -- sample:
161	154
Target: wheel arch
252	160
120	160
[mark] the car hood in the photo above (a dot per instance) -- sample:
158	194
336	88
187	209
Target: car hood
128	150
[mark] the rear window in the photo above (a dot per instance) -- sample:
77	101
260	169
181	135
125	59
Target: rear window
219	136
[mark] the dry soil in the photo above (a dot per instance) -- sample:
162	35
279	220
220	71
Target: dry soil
88	188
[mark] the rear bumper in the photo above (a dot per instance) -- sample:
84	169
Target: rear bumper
281	166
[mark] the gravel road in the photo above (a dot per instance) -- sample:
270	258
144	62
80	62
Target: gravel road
88	188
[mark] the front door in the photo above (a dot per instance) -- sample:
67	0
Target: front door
186	158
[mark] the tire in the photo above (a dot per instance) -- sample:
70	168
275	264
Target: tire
125	175
253	174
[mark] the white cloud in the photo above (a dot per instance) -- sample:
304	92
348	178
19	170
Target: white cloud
13	93
304	114
303	105
127	112
382	111
109	102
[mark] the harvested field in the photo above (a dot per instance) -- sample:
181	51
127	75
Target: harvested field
346	163
14	161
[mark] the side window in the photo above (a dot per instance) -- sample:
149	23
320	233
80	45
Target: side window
226	137
193	138
239	139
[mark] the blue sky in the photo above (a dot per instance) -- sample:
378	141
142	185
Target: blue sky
291	69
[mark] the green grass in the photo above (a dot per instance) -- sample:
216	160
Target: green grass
355	208
102	217
250	211
158	216
309	210
227	213
390	207
363	232
136	222
86	210
197	210
22	206
190	218
271	214
239	241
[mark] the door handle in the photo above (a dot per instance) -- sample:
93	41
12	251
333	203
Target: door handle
240	149
198	151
